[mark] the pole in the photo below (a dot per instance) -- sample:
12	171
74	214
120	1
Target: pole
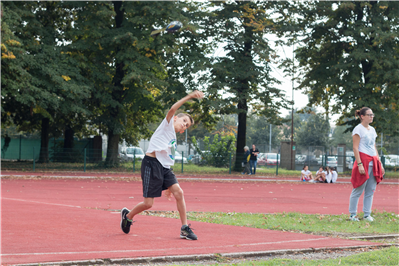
20	146
277	161
292	108
182	157
230	164
270	139
134	160
84	167
33	159
186	144
382	136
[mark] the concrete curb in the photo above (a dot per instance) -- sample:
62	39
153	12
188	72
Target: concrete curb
207	257
376	237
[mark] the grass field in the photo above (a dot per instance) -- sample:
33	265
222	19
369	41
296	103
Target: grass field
128	167
331	225
385	222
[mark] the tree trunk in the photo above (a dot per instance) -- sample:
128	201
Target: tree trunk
68	138
112	149
241	135
44	155
117	94
242	103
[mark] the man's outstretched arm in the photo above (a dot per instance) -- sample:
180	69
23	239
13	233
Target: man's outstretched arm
178	104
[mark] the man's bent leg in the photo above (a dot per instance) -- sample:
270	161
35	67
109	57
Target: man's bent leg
181	204
142	206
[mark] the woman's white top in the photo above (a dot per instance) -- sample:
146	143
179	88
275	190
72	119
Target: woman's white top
328	176
334	176
367	139
306	173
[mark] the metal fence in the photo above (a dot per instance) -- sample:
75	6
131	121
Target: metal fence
22	153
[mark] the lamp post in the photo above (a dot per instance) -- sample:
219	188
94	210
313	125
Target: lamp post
292	108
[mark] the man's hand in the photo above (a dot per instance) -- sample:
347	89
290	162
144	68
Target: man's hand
196	94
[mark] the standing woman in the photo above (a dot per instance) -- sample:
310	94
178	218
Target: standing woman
367	170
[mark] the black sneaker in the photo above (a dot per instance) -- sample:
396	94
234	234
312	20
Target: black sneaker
187	233
125	223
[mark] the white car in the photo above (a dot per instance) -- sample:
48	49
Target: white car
132	152
178	158
392	160
271	158
332	161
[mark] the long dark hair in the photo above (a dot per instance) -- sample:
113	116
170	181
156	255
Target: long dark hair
359	113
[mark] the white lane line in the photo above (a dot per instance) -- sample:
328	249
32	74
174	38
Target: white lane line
168	249
39	202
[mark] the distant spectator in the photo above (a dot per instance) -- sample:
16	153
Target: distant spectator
334	175
245	162
7	141
320	175
254	158
306	175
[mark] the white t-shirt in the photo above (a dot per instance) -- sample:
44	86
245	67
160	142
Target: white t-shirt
328	176
367	139
163	142
334	176
306	173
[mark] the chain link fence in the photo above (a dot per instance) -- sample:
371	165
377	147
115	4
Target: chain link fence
22	152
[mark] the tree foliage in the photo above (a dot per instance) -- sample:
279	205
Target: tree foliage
314	132
349	58
240	78
136	76
218	152
258	130
41	81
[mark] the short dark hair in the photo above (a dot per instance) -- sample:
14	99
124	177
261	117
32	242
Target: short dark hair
304	166
189	116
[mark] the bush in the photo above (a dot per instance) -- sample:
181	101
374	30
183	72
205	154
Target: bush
218	153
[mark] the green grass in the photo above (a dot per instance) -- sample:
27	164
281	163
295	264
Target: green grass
385	222
188	168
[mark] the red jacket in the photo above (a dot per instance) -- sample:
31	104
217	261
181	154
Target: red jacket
358	179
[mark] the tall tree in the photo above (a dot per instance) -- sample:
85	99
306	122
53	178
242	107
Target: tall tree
314	132
240	78
135	75
14	59
259	133
349	57
50	85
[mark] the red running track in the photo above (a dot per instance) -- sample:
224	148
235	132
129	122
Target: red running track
72	219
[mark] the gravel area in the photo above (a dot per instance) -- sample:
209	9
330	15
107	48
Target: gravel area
225	260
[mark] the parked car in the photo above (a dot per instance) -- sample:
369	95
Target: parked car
350	159
178	158
130	152
195	158
300	159
308	159
393	159
262	159
271	159
332	161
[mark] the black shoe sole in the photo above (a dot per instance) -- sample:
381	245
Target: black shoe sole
184	237
122	220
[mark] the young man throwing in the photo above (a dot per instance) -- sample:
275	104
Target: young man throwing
155	167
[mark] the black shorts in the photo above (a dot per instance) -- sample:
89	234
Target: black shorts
155	177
